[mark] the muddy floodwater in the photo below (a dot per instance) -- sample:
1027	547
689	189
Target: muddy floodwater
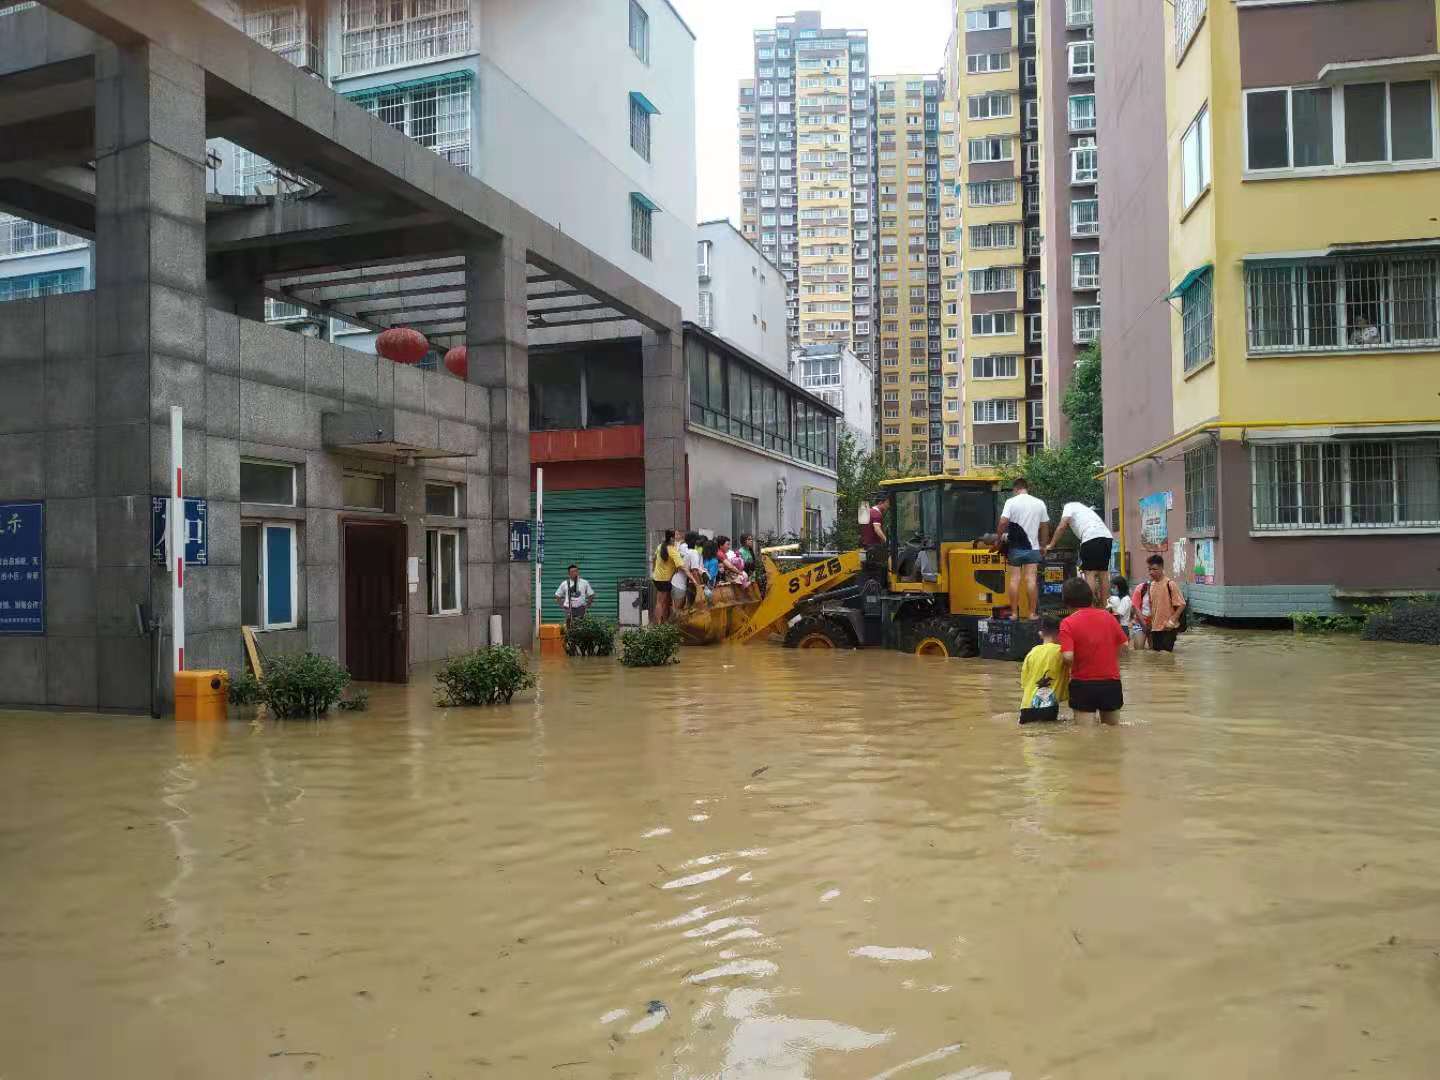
759	863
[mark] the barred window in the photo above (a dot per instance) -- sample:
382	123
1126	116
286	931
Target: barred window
997	411
1188	14
992	192
1343	305
640	224
993	279
436	114
640	131
21	237
391	33
992	236
1087	325
985	454
1085	217
1197	316
1200	475
1334	484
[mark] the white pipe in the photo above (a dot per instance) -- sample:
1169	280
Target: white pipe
535	549
177	535
496	626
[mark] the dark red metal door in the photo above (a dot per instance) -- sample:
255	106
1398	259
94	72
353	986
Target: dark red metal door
375	610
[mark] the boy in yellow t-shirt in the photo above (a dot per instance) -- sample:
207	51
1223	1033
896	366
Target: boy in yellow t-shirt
1044	682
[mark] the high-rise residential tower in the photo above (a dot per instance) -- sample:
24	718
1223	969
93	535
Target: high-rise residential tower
906	137
1069	169
992	83
806	190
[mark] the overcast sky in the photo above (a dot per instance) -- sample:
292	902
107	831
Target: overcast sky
906	37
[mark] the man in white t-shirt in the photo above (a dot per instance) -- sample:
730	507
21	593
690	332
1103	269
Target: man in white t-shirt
1096	541
690	574
1023	524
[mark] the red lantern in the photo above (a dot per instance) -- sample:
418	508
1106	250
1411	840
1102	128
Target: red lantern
402	345
457	362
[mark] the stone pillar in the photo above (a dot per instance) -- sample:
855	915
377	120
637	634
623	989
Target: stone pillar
150	330
663	361
237	289
497	339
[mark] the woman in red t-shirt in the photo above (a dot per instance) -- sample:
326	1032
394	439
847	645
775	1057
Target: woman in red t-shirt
1090	644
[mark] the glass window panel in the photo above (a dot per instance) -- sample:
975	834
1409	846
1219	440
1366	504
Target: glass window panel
613	390
266	482
363	492
1314	141
554	391
1265	114
279	600
1411	137
449	580
250	575
1365	122
442	500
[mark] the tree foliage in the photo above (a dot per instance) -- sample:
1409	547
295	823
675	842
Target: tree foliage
1061	474
857	476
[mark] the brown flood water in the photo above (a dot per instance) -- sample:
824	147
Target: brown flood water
821	865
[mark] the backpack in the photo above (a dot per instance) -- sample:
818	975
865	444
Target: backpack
1137	601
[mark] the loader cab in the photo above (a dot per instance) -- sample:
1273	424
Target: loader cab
928	518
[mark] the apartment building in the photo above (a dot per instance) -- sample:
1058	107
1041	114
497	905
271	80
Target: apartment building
1066	162
993	85
905	130
1287	458
806	191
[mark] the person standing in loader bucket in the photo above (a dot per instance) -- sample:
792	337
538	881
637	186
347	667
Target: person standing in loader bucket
1024	521
872	531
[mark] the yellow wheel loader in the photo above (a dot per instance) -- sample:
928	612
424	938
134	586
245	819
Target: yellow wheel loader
932	589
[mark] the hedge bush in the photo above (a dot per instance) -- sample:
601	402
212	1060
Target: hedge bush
589	636
484	677
244	689
650	646
1416	622
305	684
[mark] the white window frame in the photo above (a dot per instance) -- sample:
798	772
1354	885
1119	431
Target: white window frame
993	192
1032	157
988	233
988	19
1034	328
984	63
1000	324
1084	335
992	279
639	44
434	606
1079	228
1339	164
444	29
1079	174
1195	145
264	605
990	105
1079	13
1080	279
1002	145
1076	64
454	490
990	367
996	411
1083	124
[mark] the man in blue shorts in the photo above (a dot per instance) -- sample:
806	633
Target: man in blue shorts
1023	524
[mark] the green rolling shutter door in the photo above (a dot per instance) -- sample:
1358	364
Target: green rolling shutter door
604	531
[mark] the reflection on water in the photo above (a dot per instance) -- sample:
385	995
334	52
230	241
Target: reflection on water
759	863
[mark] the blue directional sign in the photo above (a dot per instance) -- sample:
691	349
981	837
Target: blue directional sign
519	541
197	531
22	568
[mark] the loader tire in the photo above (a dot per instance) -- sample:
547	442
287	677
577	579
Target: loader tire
937	637
819	632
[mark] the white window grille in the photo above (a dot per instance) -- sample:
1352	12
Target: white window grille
1086	325
1085	271
1344	484
992	236
1032	241
288	28
1343	305
992	279
21	237
1188	14
392	33
992	192
1082	112
1197	318
1084	163
986	454
1085	217
1079	12
436	114
707	310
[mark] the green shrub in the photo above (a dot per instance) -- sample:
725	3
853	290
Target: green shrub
355	701
650	646
1416	622
1309	622
589	636
244	689
304	684
484	677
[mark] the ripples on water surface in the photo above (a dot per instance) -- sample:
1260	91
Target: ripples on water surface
760	863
